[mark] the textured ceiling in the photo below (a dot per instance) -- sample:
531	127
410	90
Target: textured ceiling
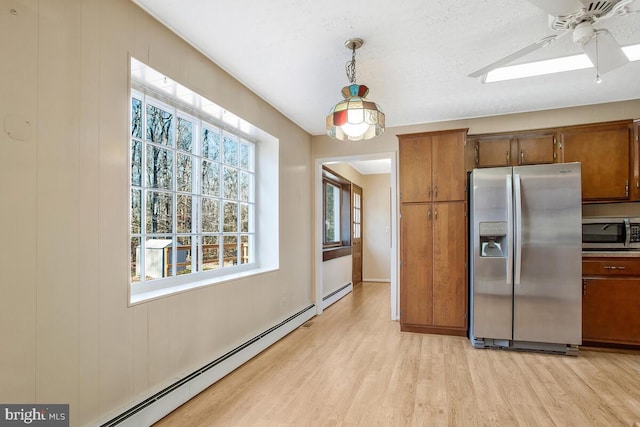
415	59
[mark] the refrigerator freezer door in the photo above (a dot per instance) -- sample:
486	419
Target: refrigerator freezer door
547	296
491	281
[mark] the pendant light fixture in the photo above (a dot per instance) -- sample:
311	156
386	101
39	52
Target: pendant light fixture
355	118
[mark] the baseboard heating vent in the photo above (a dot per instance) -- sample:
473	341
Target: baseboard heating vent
336	295
134	415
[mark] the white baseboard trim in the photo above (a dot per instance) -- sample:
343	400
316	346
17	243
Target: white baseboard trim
376	280
336	295
165	401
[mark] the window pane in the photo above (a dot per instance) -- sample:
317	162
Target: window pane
136	162
211	143
244	156
245	250
136	118
183	265
230	149
185	134
210	178
136	211
183	172
230	218
159	212
183	214
210	215
230	177
157	258
244	218
159	126
230	253
210	253
159	168
244	186
134	255
332	213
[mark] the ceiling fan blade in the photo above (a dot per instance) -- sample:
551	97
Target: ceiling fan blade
604	52
515	55
558	7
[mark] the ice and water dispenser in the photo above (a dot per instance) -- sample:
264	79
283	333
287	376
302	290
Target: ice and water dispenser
493	236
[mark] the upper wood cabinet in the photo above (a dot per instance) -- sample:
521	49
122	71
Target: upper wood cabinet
636	163
606	153
512	149
432	166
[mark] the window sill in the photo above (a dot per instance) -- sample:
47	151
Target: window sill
332	253
142	297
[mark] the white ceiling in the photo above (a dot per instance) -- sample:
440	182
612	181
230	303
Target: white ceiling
415	59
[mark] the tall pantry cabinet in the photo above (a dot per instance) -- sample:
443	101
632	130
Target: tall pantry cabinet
433	233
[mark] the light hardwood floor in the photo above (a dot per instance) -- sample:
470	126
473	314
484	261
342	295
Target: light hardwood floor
353	367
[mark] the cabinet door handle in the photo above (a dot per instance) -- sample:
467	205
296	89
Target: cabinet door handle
508	158
584	287
436	214
435	192
429	192
521	157
626	189
615	267
429	214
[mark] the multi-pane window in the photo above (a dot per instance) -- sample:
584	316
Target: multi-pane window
192	194
332	220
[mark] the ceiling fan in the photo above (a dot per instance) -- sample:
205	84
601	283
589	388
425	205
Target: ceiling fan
578	17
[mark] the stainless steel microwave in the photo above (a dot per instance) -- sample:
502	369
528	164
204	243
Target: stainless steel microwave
610	233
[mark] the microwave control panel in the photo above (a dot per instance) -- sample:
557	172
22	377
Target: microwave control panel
635	233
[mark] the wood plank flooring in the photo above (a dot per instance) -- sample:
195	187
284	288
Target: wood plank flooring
353	367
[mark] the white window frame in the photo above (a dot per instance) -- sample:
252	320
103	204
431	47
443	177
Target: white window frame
228	124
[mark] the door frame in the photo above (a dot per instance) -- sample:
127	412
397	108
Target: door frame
394	251
355	188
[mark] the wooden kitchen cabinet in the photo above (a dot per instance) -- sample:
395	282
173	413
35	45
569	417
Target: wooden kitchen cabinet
606	153
433	273
433	288
636	160
432	167
610	301
514	149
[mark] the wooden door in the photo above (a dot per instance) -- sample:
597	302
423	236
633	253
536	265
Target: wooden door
415	269
415	169
610	310
605	154
449	265
356	234
493	152
448	171
535	149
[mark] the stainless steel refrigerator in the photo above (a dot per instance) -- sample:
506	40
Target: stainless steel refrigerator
525	254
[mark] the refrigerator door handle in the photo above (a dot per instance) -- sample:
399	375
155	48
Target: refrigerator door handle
518	224
509	182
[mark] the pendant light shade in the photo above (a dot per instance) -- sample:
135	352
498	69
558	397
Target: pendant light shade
355	118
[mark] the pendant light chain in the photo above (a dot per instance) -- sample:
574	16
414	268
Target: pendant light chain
350	67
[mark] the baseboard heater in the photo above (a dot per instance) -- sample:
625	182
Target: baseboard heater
154	408
336	295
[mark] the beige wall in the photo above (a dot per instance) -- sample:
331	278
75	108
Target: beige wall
68	335
376	235
325	147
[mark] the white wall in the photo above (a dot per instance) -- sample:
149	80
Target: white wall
336	273
68	335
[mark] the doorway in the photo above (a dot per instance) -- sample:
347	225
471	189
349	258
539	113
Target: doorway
390	157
